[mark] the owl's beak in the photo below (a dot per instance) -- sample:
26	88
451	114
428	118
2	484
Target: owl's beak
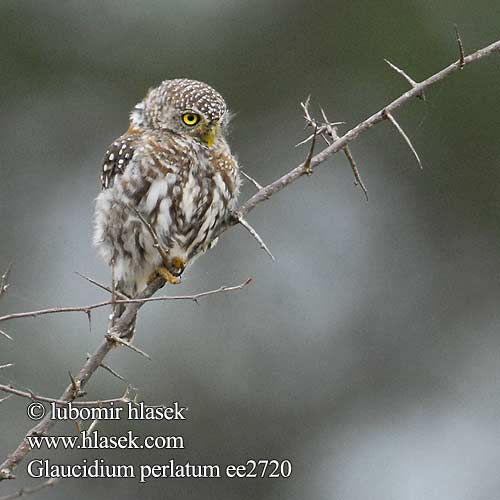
210	136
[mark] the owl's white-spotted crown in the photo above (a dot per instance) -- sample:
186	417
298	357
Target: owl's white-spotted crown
181	95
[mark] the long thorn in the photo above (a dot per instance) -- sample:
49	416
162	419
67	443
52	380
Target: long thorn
307	164
123	342
6	335
405	137
251	179
461	61
256	235
355	171
100	285
410	80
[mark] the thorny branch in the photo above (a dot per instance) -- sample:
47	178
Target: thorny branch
362	127
59	402
88	369
328	131
124	322
86	309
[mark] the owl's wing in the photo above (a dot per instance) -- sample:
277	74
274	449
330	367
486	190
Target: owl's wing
116	159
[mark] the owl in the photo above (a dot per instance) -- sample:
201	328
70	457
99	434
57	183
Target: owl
170	176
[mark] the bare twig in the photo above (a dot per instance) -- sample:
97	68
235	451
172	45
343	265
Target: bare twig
63	402
256	235
85	309
23	492
404	136
460	49
251	179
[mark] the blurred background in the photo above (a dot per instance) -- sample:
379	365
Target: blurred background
368	354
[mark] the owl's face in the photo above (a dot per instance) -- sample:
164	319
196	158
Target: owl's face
185	107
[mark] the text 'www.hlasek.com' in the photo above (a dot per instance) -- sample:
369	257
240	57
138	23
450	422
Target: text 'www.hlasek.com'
91	439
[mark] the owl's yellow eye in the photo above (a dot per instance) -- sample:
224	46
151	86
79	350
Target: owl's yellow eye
190	119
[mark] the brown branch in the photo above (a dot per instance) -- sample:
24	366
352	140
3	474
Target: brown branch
86	309
125	321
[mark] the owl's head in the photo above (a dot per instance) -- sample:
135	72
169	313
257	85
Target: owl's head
185	107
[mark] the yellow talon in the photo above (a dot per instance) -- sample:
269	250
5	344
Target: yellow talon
166	275
179	263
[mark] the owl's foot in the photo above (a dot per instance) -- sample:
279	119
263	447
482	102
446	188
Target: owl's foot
166	275
178	263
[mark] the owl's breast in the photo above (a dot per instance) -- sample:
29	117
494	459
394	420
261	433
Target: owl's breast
188	202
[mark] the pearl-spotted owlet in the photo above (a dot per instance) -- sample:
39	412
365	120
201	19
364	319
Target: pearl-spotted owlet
172	170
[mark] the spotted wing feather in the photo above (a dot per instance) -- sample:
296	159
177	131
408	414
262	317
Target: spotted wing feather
116	159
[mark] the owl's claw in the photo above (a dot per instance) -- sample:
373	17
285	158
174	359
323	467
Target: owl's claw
179	263
166	275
